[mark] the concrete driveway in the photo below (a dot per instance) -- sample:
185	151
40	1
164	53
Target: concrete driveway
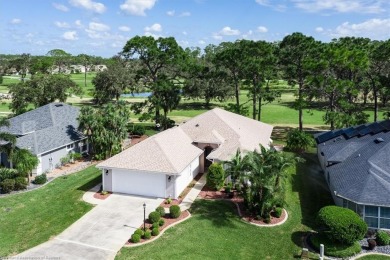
100	233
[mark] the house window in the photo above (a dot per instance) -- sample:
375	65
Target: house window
384	221
371	216
70	146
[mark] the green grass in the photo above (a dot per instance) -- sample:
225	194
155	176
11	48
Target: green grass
31	218
215	231
374	257
335	249
79	79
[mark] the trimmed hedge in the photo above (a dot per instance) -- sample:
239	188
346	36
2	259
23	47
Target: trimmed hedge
215	176
161	222
278	212
161	210
382	238
20	183
155	225
7	185
147	234
135	238
174	211
40	179
155	232
154	217
334	248
341	224
139	232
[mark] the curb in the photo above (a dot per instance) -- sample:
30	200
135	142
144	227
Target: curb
364	254
161	233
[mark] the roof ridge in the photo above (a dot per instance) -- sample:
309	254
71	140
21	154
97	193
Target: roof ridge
166	157
51	113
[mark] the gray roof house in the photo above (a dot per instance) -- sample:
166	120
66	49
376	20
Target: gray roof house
49	132
356	164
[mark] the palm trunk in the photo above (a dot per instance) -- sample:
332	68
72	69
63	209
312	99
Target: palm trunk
254	98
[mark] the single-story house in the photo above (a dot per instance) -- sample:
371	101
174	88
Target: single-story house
50	132
356	164
164	164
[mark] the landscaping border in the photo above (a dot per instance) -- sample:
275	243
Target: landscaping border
162	232
364	254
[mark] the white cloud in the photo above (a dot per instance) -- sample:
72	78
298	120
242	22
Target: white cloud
277	7
78	23
98	27
124	28
375	29
262	29
16	21
344	6
217	37
183	14
319	29
171	13
89	5
154	28
201	42
184	33
60	7
137	7
71	35
227	31
62	24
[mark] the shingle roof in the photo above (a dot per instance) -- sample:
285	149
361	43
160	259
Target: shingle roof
172	150
45	128
361	172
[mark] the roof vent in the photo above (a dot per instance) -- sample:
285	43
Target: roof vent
196	125
379	140
59	105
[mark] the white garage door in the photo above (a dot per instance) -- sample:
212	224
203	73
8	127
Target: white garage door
138	183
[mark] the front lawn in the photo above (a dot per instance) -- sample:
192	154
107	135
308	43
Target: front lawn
215	231
31	218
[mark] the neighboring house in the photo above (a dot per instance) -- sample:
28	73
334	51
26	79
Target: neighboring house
356	164
164	164
49	132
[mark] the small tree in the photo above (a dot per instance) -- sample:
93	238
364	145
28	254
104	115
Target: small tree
215	176
298	140
25	162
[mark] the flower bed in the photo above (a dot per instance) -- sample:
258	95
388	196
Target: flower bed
168	222
98	195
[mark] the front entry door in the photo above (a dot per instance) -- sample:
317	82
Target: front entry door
170	186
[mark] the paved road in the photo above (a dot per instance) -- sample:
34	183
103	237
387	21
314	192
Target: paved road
100	233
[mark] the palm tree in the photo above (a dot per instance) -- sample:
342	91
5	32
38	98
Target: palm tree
7	140
25	162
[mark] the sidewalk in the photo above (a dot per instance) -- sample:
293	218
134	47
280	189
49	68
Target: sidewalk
193	194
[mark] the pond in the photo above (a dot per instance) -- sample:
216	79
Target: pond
141	94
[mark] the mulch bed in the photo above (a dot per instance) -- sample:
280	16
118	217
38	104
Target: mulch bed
173	202
210	194
100	196
168	222
136	139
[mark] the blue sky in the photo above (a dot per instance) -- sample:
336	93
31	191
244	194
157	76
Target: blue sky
102	27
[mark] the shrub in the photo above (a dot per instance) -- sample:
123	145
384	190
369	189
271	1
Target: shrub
267	219
371	244
161	211
139	232
341	224
154	217
215	176
334	248
135	238
168	201
6	173
228	187
76	156
147	234
137	129
382	238
155	225
7	185
298	140
65	160
155	232
278	212
20	183
161	222
40	179
174	211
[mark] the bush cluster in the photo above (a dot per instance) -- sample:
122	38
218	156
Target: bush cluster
6	173
298	140
278	212
174	211
382	238
20	183
341	224
7	185
154	217
147	234
139	232
40	179
136	129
